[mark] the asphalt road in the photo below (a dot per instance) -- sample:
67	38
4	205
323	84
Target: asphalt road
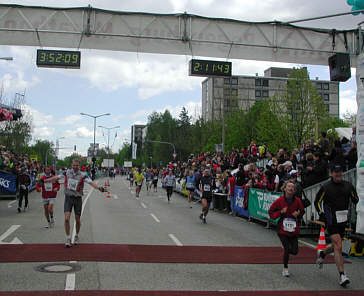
123	219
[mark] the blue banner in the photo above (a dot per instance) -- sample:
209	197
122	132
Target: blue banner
7	182
238	202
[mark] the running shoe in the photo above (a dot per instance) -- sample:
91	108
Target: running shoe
285	272
204	220
68	243
77	240
201	215
344	280
320	259
19	210
25	209
52	222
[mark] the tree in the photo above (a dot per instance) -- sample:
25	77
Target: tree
299	108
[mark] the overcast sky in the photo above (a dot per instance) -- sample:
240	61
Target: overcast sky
123	85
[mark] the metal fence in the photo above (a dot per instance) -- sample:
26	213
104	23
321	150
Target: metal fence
311	192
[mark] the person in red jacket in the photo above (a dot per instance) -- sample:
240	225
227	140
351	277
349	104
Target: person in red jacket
290	210
49	193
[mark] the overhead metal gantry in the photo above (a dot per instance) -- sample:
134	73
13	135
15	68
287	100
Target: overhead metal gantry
181	34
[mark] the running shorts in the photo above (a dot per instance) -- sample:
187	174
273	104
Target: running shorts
73	202
47	201
338	228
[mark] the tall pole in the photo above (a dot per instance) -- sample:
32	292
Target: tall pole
93	152
108	141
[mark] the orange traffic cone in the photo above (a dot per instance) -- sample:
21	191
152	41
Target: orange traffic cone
108	195
322	241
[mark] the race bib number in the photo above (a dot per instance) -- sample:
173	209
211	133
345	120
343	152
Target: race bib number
206	187
155	178
170	183
48	186
139	184
72	184
289	225
341	216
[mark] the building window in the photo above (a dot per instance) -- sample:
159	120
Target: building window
226	80
234	92
265	93
326	97
258	82
234	81
325	86
226	92
327	108
258	93
265	82
319	86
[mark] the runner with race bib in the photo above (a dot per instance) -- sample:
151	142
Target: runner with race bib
289	209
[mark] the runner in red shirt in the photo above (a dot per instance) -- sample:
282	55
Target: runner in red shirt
49	194
290	210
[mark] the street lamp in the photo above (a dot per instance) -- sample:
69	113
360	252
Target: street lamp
57	151
108	141
7	58
94	117
168	143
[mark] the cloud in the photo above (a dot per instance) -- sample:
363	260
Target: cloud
79	132
70	120
13	83
348	102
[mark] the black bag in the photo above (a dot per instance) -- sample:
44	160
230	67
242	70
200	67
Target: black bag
305	201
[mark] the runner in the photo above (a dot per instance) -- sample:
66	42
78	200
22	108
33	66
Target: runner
138	177
289	209
24	182
332	204
49	194
74	181
148	179
155	180
190	186
170	183
206	185
131	179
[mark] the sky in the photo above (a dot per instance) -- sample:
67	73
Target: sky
121	83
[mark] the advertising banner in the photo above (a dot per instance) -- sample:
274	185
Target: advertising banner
260	202
238	202
7	182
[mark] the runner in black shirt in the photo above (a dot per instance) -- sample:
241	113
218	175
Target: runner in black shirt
206	185
332	203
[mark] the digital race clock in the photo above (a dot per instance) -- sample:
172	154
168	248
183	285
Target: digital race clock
58	59
209	68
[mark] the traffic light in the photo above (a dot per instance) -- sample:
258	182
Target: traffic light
74	148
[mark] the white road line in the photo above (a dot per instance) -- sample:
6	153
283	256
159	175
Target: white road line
176	240
307	244
10	203
115	196
9	231
143	205
70	282
71	277
155	218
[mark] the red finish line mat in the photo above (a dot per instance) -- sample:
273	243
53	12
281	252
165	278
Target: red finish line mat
184	293
153	254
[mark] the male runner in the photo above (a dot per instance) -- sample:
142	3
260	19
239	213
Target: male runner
155	180
49	194
170	183
332	203
74	181
206	184
138	177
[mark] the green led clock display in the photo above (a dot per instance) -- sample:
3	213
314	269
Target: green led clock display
58	59
209	68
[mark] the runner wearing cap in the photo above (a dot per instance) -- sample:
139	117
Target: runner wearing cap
332	204
49	194
74	181
289	209
206	186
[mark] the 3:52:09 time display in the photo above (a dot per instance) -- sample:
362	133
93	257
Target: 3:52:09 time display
209	68
58	59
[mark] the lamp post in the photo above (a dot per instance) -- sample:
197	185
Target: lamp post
94	156
174	148
57	151
6	58
108	141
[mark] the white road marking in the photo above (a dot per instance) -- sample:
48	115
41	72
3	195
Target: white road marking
155	218
115	196
143	205
176	240
7	233
307	244
71	277
11	203
70	282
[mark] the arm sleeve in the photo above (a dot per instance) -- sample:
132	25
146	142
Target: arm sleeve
275	210
320	196
354	195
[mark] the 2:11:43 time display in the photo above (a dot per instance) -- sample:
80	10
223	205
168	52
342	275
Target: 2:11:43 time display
209	68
